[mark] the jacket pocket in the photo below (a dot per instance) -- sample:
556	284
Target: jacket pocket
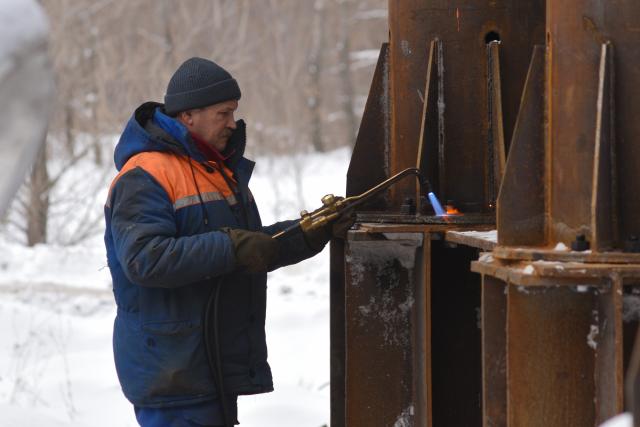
175	357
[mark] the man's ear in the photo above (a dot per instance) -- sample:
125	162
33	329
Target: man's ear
185	117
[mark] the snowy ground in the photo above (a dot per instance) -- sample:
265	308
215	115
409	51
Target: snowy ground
56	314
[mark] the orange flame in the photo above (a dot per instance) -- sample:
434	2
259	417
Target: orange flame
452	210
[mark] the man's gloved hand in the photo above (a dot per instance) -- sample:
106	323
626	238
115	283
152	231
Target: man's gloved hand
255	251
340	226
318	237
237	138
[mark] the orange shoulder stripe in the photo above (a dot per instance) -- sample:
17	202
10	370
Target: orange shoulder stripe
174	174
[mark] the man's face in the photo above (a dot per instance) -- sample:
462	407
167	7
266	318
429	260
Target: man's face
213	124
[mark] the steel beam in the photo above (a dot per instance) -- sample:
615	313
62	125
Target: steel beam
387	330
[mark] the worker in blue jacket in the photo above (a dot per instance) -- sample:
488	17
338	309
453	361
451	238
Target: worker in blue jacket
188	255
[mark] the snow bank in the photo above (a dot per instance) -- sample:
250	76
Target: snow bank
46	265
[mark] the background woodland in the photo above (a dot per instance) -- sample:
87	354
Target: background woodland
304	68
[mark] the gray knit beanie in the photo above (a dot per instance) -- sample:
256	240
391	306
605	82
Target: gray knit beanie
199	83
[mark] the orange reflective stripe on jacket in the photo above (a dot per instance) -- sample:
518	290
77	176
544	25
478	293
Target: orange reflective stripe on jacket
174	174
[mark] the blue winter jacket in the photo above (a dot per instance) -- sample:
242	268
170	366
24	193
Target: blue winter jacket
165	253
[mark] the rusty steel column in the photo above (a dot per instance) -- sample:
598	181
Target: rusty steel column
558	291
577	30
457	167
444	98
566	222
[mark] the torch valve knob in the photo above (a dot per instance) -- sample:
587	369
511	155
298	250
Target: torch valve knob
328	200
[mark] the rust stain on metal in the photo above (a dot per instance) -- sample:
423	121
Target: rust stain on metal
575	44
549	363
494	352
592	29
609	364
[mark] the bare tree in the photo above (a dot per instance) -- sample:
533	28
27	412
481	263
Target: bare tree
348	93
314	67
292	59
37	208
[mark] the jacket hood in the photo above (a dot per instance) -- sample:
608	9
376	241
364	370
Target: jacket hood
139	136
150	129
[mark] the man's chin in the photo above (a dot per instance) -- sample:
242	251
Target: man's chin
220	145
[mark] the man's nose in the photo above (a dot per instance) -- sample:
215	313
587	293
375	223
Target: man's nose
232	123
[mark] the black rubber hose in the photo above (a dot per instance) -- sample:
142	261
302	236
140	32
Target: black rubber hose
213	351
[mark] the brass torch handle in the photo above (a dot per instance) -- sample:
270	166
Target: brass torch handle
339	205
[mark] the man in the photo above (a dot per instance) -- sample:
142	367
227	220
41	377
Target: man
184	238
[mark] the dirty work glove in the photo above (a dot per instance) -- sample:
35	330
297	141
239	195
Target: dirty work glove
237	138
317	238
255	251
340	226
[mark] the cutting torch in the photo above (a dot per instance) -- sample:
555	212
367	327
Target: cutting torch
334	207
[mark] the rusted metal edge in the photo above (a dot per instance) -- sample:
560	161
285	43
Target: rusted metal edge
370	159
337	332
442	176
632	382
473	219
608	373
419	228
497	145
427	122
536	253
424	389
544	273
604	215
494	352
474	238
